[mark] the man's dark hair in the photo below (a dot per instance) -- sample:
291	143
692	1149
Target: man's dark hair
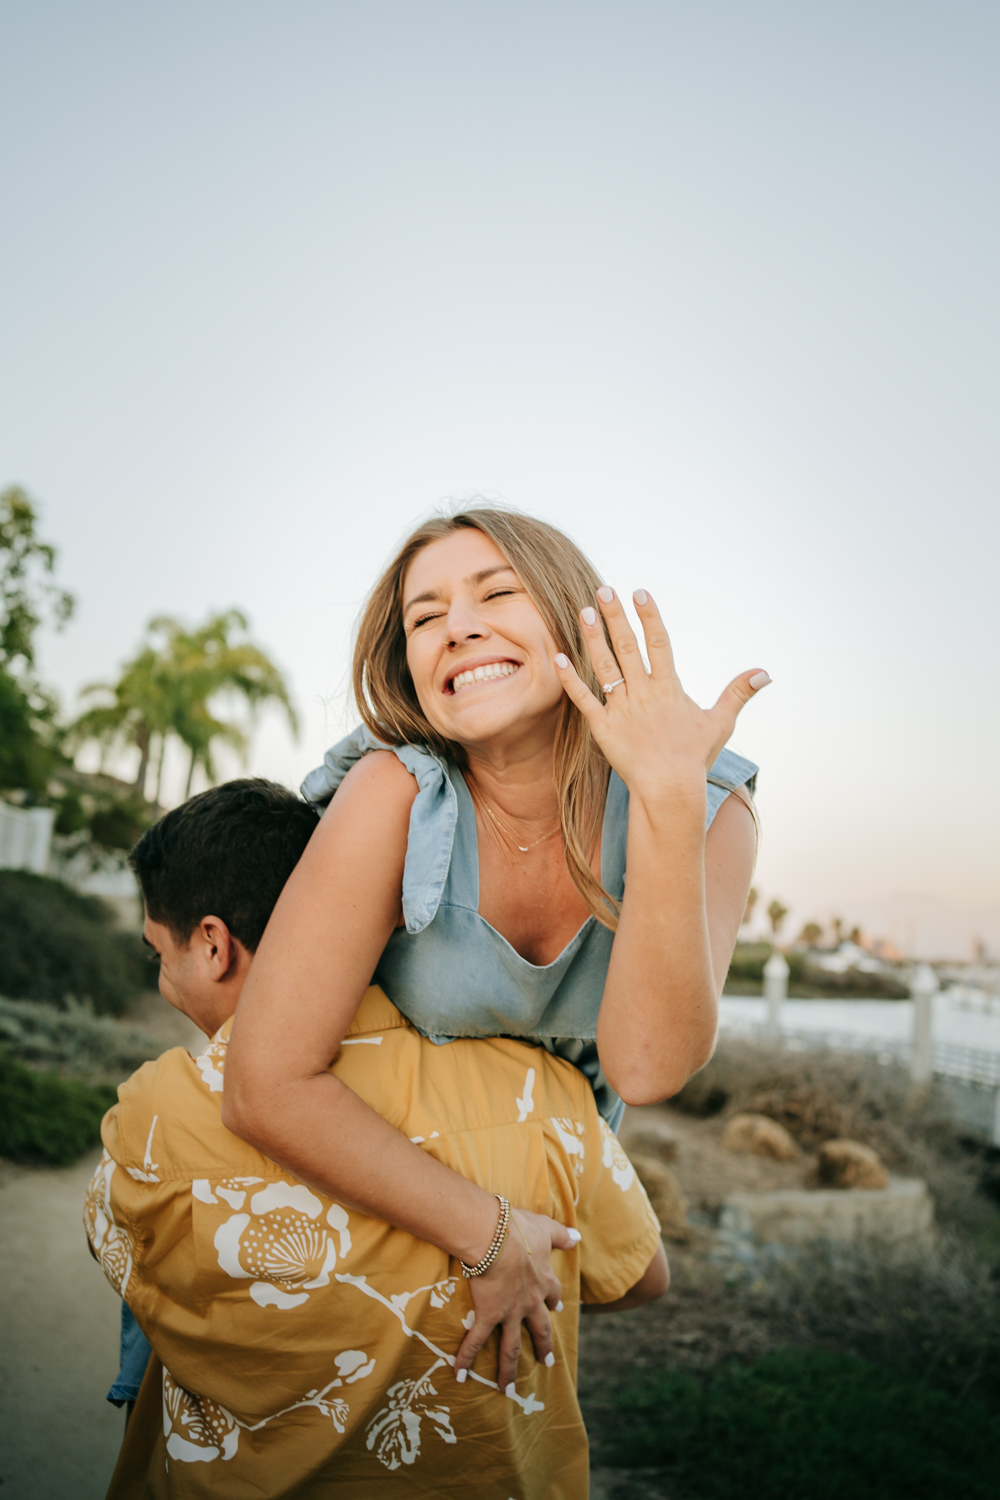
225	853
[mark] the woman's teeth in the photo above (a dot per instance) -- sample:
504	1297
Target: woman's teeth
483	674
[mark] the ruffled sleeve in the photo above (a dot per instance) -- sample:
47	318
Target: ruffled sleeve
433	817
729	771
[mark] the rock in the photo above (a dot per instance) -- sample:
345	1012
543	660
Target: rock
650	1138
849	1164
902	1213
664	1193
756	1135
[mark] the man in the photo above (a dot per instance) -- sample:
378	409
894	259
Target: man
299	1347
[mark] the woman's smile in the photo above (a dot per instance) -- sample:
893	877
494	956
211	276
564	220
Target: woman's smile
475	672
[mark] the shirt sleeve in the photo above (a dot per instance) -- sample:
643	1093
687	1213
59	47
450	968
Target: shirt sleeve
619	1229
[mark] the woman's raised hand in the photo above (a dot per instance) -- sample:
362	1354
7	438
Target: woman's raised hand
652	733
520	1287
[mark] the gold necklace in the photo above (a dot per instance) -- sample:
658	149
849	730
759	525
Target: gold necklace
523	847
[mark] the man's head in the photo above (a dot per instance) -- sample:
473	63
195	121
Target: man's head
211	872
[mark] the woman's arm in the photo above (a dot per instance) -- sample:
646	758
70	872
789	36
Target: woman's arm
314	963
685	892
686	895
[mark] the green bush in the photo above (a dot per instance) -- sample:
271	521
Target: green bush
48	1119
73	1040
55	942
806	1425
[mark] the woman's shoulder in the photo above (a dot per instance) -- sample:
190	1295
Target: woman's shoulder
432	809
319	786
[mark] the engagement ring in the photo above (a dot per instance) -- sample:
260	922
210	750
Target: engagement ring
610	686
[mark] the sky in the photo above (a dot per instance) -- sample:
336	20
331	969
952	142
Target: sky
710	286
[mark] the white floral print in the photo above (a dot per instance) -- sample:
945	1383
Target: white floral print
622	1170
211	1064
394	1432
570	1133
197	1430
112	1245
282	1244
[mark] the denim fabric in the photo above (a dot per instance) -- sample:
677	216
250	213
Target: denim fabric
133	1357
451	973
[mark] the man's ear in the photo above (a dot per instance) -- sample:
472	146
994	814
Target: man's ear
219	947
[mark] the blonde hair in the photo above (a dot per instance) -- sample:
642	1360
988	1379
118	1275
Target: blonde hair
559	580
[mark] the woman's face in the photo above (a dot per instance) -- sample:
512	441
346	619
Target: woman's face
478	650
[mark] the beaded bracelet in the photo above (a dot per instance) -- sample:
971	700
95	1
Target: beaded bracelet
495	1247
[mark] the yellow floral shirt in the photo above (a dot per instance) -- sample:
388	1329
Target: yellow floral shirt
301	1349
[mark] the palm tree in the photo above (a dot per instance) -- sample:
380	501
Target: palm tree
141	708
776	913
211	665
167	689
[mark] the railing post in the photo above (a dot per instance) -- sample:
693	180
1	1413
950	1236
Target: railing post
923	988
775	989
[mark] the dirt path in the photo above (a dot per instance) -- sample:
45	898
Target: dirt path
58	1341
59	1319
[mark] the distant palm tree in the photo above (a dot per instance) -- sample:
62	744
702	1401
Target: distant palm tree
168	687
776	914
142	707
212	664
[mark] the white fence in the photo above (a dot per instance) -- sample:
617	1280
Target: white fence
25	837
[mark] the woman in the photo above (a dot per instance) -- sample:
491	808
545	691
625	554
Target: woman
477	868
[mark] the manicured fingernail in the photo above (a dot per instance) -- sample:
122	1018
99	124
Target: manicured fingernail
759	680
605	594
640	596
562	660
589	615
509	1390
461	1376
550	1359
559	1307
575	1235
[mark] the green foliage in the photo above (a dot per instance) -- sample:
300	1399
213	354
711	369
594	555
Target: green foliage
27	593
48	1119
806	1425
29	751
55	943
74	1040
29	739
173	687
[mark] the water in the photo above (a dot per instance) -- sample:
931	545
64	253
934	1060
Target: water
891	1020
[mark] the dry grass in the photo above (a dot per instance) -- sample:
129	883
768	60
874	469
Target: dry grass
823	1095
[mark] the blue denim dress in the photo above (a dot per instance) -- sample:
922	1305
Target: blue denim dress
451	973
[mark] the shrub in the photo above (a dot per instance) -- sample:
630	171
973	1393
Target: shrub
48	1119
94	1048
56	942
806	1425
936	1312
